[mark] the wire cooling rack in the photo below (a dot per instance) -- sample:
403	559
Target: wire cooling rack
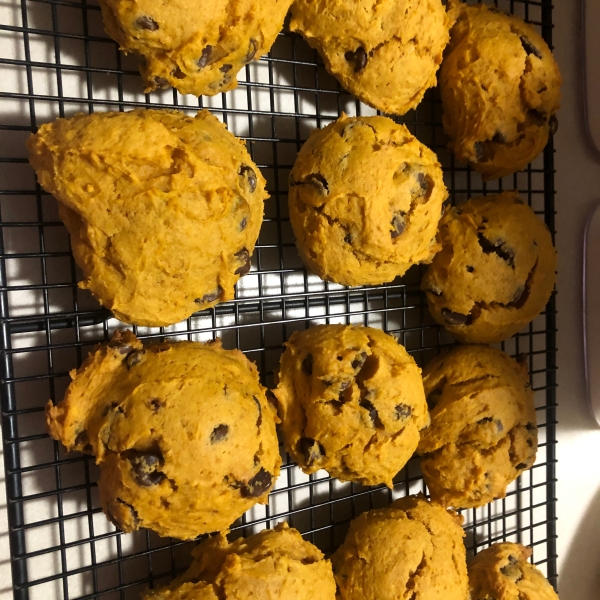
55	61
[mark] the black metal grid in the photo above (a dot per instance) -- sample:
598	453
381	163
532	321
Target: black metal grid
55	60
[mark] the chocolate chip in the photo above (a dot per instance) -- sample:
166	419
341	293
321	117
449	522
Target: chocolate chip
402	412
470	268
358	57
499	138
521	296
435	291
244	257
210	297
521	466
307	364
133	358
205	57
219	433
311	450
536	117
512	572
499	248
178	73
122	349
251	50
258	485
398	225
145	467
155	404
454	318
373	414
348	238
479	151
259	420
113	519
531	427
249	177
318	181
484	420
530	48
161	82
552	125
309	560
499	425
513	559
243	223
529	442
359	361
82	442
146	22
225	68
426	185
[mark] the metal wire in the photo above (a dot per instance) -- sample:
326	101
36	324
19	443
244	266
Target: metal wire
61	544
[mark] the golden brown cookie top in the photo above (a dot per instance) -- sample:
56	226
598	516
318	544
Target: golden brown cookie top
496	269
500	90
182	431
365	200
351	401
412	547
385	52
483	430
502	571
163	209
274	564
198	48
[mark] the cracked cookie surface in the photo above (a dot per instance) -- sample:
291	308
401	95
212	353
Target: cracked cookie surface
274	564
500	88
385	52
365	200
483	431
412	549
351	401
198	48
163	209
495	272
182	432
502	572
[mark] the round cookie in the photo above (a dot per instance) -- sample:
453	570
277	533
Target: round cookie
502	572
182	432
385	52
198	48
495	272
500	88
351	401
483	431
412	549
274	564
163	209
365	200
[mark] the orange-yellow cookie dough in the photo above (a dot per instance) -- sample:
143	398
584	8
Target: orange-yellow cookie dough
275	564
182	432
500	89
351	401
163	209
196	47
503	572
495	272
385	52
412	549
483	432
365	201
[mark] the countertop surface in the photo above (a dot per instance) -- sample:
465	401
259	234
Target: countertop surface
578	450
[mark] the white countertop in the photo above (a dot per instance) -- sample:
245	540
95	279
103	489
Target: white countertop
578	450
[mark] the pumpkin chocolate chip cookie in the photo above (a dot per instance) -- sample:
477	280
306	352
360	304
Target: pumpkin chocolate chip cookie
503	572
196	47
500	89
365	201
385	52
182	432
412	549
163	209
495	272
274	564
351	401
483	431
